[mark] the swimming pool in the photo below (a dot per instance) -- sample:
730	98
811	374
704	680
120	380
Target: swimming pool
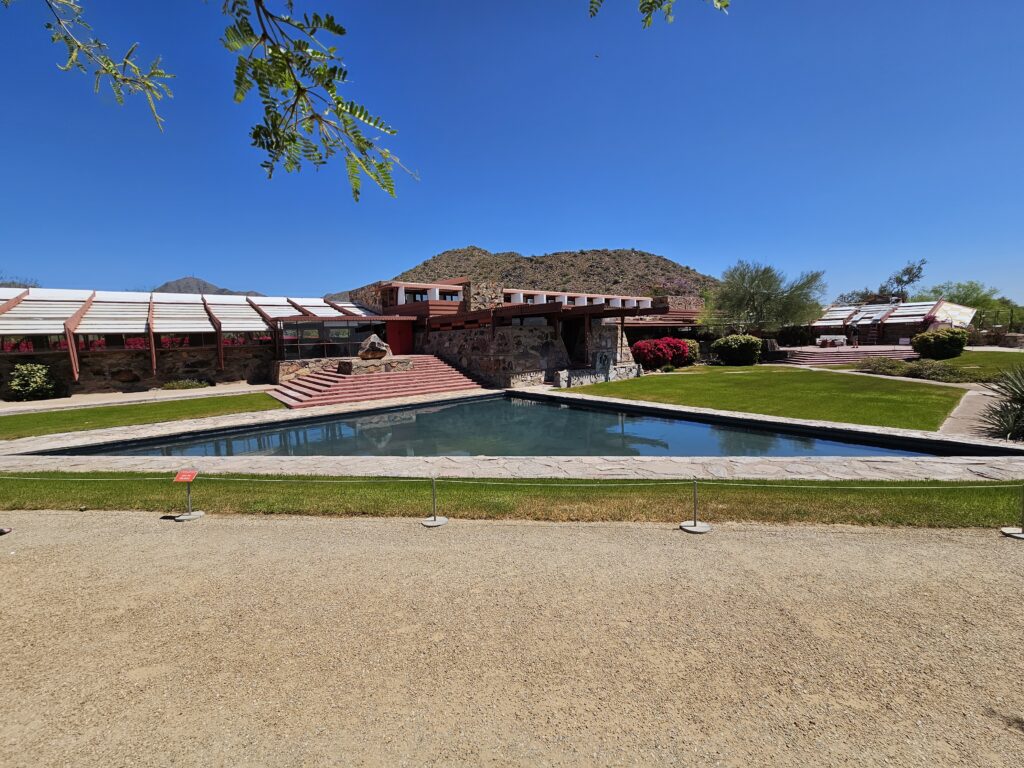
500	426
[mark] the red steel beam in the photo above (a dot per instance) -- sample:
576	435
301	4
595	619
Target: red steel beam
340	308
70	325
152	338
215	322
302	309
13	302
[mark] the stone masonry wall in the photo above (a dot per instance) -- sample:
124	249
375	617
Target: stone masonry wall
609	355
368	296
482	295
130	371
516	356
578	377
286	370
608	345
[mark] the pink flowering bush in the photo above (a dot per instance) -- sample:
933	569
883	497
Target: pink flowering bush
654	353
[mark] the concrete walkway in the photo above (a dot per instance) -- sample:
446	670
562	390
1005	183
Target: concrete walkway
966	417
129	398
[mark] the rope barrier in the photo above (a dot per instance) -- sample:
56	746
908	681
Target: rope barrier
554	483
435	520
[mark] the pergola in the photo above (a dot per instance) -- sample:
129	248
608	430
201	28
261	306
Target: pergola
64	320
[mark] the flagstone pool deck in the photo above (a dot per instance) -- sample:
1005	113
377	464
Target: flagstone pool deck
22	455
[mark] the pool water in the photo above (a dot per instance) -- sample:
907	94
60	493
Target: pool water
502	427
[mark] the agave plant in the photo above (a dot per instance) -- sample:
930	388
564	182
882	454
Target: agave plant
1005	417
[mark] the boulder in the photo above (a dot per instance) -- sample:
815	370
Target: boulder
374	348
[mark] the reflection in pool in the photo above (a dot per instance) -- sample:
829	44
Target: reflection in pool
502	427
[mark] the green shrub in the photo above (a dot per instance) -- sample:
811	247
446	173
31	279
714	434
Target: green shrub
185	384
32	381
930	370
654	354
738	349
933	370
1005	417
883	366
942	344
667	368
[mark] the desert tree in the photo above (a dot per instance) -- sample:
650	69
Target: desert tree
293	64
755	296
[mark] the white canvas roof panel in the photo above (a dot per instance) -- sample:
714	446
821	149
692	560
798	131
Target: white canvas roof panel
38	317
115	317
278	310
910	312
319	307
870	313
58	294
355	309
180	318
237	317
124	296
957	315
836	316
226	298
267	301
177	298
10	293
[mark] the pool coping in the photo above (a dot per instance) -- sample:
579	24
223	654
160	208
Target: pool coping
22	455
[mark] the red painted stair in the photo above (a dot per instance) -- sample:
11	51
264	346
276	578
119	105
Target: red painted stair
429	375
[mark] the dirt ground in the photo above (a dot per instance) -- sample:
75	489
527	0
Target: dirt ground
245	641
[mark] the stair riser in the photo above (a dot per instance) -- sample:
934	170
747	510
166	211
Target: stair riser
428	376
380	396
347	387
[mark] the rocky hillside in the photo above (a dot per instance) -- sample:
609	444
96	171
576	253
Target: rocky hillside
597	271
198	285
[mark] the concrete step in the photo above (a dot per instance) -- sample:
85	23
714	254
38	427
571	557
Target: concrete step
339	399
430	375
839	357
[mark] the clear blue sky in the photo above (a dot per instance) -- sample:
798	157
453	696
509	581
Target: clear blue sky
848	136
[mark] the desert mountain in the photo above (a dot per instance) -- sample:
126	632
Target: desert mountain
198	285
595	271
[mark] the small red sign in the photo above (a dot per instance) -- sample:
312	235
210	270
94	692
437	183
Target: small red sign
186	475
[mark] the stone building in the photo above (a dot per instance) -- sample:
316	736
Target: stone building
508	337
129	341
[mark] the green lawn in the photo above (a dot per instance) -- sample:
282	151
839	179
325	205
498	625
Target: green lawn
988	363
794	393
78	419
946	505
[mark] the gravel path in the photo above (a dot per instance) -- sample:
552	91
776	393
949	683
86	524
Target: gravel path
283	641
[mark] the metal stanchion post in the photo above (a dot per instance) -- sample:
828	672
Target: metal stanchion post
1016	532
695	526
434	521
186	476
